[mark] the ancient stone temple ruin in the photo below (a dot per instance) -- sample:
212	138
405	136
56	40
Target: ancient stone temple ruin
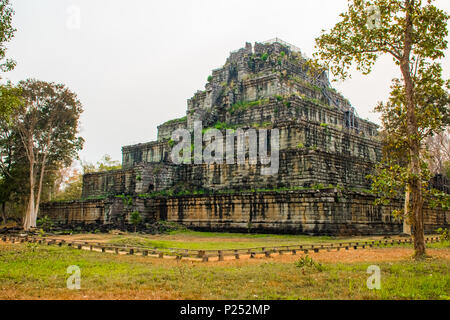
325	153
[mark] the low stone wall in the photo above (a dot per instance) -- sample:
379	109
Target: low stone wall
311	212
109	182
73	212
324	212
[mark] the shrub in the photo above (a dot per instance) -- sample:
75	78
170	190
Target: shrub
278	97
135	219
45	223
307	262
264	57
444	233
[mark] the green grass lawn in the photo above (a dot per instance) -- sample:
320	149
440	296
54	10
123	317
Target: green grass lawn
39	271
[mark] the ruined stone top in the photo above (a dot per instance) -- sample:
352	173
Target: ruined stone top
255	75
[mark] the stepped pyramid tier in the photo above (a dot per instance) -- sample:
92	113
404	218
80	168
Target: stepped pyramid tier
267	71
325	154
322	141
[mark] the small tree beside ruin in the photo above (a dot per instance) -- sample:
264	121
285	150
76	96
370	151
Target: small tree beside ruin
135	219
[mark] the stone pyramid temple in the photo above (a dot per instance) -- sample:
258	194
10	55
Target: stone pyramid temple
325	154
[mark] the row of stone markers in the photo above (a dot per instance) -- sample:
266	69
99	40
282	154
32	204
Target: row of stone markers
206	255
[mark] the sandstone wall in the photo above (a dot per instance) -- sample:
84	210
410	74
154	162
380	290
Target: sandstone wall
141	179
165	130
321	212
89	212
324	212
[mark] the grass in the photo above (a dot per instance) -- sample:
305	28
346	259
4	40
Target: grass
39	271
186	239
194	240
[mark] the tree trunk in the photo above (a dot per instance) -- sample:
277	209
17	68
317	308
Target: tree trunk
30	218
415	181
407	215
5	220
41	180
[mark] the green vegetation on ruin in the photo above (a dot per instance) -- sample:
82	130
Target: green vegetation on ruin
179	120
172	193
244	105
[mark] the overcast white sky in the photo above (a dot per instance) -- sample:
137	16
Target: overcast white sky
134	63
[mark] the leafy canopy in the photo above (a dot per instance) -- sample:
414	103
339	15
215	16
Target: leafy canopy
6	34
370	29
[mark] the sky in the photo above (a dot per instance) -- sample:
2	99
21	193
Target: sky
135	63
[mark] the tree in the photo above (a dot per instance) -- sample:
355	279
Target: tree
72	185
6	34
70	179
47	123
447	169
9	100
135	219
11	151
439	151
106	163
414	35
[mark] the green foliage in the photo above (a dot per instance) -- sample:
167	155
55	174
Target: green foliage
73	190
316	102
444	234
264	124
447	169
14	172
353	42
105	164
135	219
264	57
307	263
10	99
210	78
243	105
6	34
279	97
45	223
179	120
223	126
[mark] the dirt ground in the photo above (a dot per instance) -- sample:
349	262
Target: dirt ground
343	256
334	256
